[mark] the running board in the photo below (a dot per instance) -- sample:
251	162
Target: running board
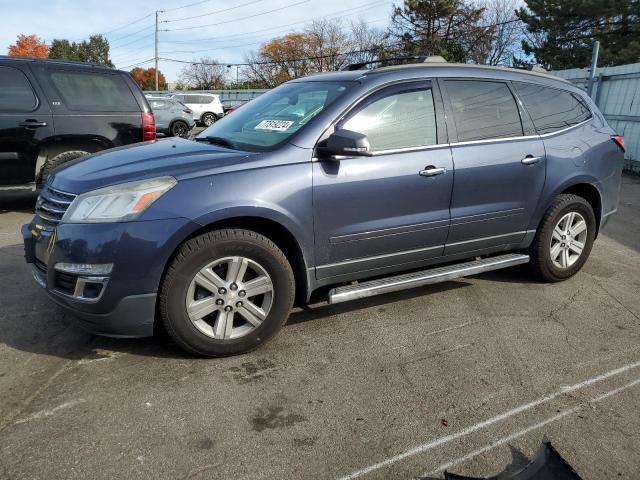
424	277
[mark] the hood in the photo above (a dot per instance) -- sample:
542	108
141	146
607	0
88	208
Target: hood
176	157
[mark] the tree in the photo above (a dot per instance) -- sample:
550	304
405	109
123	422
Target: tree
63	50
205	74
95	50
450	28
506	34
29	46
146	78
565	31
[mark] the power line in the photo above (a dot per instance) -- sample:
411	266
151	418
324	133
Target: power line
187	6
211	13
132	34
136	40
365	6
136	64
238	19
128	24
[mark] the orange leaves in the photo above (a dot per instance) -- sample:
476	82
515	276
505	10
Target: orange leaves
29	46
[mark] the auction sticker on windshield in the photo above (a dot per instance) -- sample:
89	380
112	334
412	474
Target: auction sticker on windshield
277	125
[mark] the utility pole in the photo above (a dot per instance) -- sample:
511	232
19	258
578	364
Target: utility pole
156	55
594	65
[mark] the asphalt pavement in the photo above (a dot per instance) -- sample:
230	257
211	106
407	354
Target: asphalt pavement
466	376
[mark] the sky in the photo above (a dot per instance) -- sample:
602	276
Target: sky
225	30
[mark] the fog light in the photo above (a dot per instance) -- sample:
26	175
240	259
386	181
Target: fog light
85	268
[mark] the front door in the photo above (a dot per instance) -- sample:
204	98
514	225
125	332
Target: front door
500	166
390	210
25	121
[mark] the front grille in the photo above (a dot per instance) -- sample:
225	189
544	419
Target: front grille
51	206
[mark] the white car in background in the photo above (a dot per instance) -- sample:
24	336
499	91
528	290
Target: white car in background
206	107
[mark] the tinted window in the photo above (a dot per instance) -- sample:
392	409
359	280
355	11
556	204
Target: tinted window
552	109
205	99
93	92
399	117
16	94
483	110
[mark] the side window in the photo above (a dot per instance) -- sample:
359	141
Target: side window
205	99
552	109
483	110
92	91
398	117
16	94
158	104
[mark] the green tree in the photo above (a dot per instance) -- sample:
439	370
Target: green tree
561	33
450	28
94	50
63	50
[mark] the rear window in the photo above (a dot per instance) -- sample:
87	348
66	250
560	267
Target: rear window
16	94
483	110
93	92
552	109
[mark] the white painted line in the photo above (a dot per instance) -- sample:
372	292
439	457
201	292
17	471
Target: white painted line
490	421
515	435
48	413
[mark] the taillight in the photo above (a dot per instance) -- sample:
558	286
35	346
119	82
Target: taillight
619	141
188	110
148	127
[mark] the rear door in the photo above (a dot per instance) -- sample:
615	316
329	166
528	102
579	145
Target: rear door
382	212
25	120
500	165
93	104
161	112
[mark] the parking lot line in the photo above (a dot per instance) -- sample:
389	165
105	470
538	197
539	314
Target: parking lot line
524	431
564	389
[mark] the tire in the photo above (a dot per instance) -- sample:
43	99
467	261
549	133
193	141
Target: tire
208	119
179	129
206	332
53	163
566	210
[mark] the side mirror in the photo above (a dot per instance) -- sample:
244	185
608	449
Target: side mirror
345	143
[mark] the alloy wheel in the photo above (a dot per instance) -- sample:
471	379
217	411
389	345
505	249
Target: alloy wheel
229	297
568	240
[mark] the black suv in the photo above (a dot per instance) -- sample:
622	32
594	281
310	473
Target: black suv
54	111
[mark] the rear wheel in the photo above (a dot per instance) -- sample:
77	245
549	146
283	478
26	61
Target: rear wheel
60	159
179	129
226	292
208	119
564	240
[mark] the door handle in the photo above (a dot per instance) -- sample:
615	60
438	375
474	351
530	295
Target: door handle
432	171
530	160
32	124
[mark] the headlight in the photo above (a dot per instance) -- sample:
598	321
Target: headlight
117	203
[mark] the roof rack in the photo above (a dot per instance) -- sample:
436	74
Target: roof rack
415	58
55	60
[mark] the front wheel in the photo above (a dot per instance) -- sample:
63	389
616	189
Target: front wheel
564	239
226	292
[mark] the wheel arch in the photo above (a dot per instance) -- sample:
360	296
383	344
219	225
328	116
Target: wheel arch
584	187
278	233
55	146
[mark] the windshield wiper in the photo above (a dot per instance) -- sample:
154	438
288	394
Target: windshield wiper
217	141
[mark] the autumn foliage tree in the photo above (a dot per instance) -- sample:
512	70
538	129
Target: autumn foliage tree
146	78
29	46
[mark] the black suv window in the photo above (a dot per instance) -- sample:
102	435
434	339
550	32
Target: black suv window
483	110
552	109
93	92
401	116
16	94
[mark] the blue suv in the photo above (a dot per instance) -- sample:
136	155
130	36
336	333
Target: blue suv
362	181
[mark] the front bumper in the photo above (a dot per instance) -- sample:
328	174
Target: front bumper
139	251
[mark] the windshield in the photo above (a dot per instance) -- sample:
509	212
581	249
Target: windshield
273	117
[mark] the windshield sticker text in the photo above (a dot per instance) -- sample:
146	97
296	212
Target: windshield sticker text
277	125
